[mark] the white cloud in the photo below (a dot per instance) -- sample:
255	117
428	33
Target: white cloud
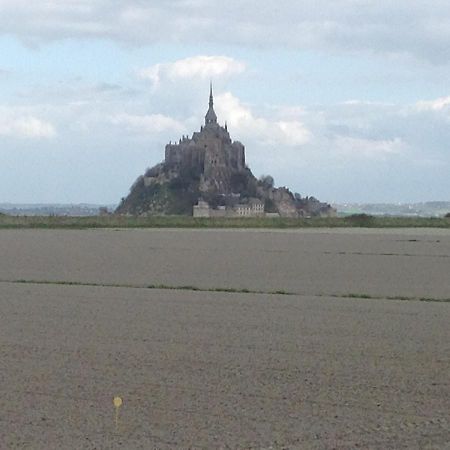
439	104
377	149
147	124
405	27
293	132
266	131
28	127
203	67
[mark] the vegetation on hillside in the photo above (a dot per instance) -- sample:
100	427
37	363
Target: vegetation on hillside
176	196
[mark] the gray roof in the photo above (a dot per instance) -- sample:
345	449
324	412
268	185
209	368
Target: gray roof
211	116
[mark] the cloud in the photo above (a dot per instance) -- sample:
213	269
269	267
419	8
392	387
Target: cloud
378	149
195	67
28	127
386	149
412	28
147	124
265	130
439	104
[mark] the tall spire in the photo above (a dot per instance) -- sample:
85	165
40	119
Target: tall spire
211	98
210	115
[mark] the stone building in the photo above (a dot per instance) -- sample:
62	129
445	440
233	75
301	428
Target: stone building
210	152
253	208
201	209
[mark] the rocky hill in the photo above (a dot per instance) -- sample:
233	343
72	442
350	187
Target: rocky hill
209	167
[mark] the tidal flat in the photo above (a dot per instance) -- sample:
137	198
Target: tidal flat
367	262
225	338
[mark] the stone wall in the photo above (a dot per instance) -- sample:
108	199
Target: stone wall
254	208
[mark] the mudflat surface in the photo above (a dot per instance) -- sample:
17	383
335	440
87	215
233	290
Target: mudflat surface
372	262
210	370
216	370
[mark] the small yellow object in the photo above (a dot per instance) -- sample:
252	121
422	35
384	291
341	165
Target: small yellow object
117	402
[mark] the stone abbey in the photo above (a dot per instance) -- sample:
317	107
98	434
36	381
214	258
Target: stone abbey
207	176
210	152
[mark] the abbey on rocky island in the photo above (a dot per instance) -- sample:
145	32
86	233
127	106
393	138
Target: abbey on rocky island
207	176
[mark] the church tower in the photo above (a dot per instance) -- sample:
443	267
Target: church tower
210	117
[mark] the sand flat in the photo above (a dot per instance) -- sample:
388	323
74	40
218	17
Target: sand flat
224	370
206	370
373	262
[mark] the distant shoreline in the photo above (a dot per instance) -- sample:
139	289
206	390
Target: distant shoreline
409	210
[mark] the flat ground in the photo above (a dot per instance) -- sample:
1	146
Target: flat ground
225	370
373	262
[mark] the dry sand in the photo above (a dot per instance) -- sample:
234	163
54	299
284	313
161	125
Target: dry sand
221	370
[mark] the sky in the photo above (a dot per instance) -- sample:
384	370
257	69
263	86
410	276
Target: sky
345	100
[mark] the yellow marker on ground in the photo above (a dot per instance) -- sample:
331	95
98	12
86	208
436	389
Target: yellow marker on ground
117	403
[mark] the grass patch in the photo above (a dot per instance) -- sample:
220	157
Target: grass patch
119	222
427	299
281	292
389	297
224	289
147	286
358	296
